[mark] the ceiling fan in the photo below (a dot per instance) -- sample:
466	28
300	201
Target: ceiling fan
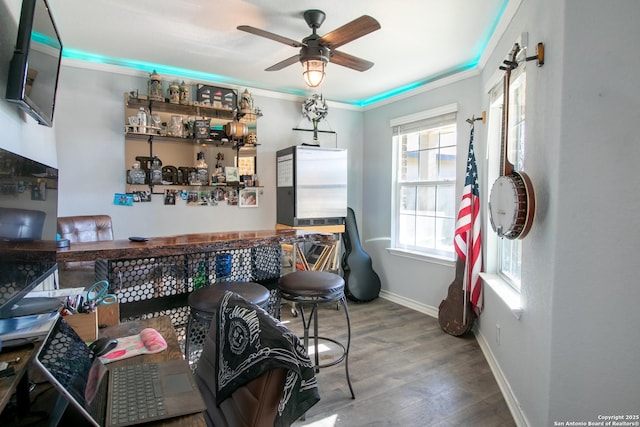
316	51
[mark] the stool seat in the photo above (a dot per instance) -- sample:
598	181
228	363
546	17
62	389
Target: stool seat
310	285
208	298
203	305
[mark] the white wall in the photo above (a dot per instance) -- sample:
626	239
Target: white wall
89	132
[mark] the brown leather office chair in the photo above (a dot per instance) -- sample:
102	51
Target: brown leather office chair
83	228
98	228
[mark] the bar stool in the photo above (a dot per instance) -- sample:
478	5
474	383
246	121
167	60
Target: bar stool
203	304
312	288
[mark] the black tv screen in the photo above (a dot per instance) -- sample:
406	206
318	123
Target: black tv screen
33	73
28	219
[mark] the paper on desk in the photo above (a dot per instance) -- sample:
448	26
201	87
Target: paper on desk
36	325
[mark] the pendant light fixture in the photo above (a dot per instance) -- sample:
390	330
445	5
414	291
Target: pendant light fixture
313	58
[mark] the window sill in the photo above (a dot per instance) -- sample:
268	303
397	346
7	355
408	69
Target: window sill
422	257
510	296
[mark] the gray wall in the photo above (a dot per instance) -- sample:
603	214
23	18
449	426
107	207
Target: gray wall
574	353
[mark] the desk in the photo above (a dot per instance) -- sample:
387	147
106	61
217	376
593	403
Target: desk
19	382
184	244
154	278
163	325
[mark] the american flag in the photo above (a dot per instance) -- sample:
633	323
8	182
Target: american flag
468	236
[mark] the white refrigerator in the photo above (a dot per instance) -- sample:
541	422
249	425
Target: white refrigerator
311	185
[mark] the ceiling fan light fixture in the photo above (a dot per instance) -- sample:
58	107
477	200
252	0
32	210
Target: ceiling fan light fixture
313	72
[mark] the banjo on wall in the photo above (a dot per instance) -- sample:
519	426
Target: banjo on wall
512	203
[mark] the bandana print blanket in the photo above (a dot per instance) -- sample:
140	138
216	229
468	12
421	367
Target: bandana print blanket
251	342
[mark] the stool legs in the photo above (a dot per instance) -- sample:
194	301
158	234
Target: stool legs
306	323
346	359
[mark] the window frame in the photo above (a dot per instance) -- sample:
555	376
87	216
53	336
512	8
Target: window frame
437	118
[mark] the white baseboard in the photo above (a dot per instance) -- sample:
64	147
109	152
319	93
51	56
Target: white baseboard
409	303
505	388
503	384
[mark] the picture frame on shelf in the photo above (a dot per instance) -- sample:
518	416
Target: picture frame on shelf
217	97
248	198
232	174
170	197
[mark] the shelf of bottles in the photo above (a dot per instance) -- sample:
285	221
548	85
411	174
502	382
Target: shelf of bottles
162	140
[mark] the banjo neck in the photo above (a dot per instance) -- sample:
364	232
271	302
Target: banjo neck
506	167
512	200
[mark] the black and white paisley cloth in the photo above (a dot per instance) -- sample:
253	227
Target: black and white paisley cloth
251	342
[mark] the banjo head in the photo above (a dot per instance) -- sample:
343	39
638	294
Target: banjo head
507	207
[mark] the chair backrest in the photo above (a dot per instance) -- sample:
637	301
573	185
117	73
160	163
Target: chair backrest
85	228
21	224
252	405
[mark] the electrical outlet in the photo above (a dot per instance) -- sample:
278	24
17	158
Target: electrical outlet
497	334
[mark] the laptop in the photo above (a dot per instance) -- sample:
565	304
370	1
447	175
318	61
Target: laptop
94	389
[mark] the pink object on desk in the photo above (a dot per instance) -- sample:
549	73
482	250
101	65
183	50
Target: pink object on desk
148	341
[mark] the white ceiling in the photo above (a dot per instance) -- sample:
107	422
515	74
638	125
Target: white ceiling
420	40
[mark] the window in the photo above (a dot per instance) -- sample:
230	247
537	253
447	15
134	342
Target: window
508	253
424	207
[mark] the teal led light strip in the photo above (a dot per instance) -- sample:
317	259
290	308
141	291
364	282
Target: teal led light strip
45	40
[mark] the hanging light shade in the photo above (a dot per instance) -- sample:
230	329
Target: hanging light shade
313	72
313	58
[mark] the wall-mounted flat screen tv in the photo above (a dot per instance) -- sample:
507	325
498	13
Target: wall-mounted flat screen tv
28	222
33	73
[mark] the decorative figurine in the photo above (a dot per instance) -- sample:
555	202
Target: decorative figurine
246	102
174	93
155	87
185	99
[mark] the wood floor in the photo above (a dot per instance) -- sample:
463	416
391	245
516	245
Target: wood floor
405	371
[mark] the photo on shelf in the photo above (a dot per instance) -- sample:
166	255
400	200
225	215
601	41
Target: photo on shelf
141	196
170	197
232	197
232	174
248	198
193	198
218	97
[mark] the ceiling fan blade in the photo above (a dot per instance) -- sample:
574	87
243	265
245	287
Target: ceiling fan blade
348	32
282	64
271	36
350	61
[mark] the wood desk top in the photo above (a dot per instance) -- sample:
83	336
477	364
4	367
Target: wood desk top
184	244
9	384
165	328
